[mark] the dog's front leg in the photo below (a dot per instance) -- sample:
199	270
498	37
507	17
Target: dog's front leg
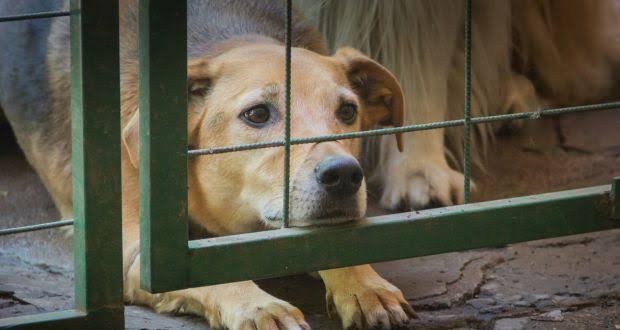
240	305
420	175
363	299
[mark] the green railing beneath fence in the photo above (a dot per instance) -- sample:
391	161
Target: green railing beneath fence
168	260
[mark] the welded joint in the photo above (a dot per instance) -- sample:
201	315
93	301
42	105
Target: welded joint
615	198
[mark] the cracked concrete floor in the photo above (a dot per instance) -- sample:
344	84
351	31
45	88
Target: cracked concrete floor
566	283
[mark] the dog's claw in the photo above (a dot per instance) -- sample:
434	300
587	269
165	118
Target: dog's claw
377	306
274	315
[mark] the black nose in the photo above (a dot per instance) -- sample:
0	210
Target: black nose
339	175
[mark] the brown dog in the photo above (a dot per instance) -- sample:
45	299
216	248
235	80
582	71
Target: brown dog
236	83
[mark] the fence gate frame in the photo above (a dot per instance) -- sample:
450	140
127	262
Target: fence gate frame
170	262
95	121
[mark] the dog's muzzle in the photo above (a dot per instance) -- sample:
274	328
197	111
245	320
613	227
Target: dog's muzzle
329	193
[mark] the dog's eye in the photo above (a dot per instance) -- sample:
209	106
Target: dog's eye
347	113
257	115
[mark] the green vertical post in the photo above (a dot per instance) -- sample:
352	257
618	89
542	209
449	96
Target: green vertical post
95	104
163	144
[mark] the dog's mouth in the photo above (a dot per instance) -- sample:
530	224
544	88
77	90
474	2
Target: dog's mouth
312	206
319	219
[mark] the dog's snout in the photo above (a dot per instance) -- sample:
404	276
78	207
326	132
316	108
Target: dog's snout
339	175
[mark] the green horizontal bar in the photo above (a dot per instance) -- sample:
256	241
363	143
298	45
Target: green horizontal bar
69	319
47	14
297	250
408	128
40	226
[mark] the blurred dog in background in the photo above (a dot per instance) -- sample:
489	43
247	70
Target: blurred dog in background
526	55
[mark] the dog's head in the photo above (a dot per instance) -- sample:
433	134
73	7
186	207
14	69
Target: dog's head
238	97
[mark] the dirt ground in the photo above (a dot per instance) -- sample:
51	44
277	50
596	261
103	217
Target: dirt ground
567	283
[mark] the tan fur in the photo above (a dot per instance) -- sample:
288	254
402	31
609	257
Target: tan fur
55	171
238	192
526	54
573	46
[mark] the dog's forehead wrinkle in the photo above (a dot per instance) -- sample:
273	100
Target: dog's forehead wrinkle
272	58
250	96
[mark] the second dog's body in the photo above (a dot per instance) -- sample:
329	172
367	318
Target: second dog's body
525	55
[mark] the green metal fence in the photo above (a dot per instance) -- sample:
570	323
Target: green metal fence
95	103
169	261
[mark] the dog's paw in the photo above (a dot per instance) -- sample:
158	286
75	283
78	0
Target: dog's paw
412	185
369	303
520	97
267	313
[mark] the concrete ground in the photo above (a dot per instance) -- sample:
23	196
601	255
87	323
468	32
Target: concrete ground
567	283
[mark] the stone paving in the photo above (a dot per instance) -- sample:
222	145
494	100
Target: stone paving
565	283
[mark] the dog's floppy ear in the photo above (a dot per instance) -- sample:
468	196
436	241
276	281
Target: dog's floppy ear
199	77
377	88
198	84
